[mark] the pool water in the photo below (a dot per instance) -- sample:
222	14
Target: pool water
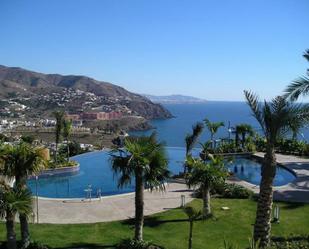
96	174
250	171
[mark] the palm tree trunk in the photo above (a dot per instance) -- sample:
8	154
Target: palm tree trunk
56	152
206	201
190	234
262	226
139	204
68	151
23	219
243	140
24	230
10	229
236	139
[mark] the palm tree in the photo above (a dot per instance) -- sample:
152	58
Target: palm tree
193	215
204	154
143	159
191	139
13	201
243	129
300	86
67	130
59	116
213	127
204	175
275	119
19	162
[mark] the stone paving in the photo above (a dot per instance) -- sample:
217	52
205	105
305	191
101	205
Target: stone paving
118	207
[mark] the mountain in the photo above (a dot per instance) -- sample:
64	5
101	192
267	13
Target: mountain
45	92
174	99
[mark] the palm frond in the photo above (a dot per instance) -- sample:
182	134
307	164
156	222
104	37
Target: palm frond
297	88
141	153
192	213
191	139
306	55
254	103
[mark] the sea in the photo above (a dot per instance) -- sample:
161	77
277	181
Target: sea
173	131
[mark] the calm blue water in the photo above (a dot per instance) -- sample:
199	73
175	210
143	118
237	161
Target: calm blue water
173	131
95	169
250	171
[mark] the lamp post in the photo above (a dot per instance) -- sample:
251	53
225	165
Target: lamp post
37	198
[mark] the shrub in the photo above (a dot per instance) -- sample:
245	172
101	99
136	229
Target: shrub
135	244
232	191
37	245
228	190
293	242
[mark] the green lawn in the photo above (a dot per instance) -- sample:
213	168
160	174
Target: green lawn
170	228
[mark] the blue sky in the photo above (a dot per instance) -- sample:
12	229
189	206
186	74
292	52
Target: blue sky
208	49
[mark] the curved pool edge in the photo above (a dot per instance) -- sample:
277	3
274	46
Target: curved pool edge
57	171
77	199
86	200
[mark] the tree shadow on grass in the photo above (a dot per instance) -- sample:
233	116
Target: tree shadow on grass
71	246
154	221
293	205
86	245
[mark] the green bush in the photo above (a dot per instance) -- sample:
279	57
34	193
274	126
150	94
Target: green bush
232	191
292	242
74	149
228	190
37	245
135	244
61	164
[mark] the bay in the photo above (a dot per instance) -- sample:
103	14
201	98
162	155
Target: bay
173	131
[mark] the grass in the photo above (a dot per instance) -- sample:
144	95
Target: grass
170	228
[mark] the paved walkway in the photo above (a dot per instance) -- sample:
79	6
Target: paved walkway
296	191
110	208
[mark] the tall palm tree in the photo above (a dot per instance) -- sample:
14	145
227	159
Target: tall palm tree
204	175
59	116
191	139
213	127
13	201
243	129
143	159
193	214
300	86
275	119
19	162
67	130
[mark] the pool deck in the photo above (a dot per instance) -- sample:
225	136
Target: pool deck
111	208
296	191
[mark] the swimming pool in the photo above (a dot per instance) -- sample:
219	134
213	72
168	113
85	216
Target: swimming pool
250	171
96	176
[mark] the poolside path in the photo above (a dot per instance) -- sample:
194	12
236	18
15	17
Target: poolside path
119	207
296	191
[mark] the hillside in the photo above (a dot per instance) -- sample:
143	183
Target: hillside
46	92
